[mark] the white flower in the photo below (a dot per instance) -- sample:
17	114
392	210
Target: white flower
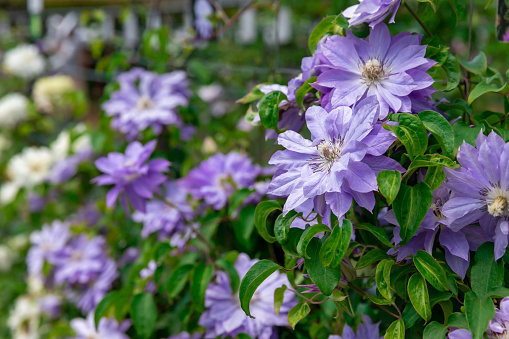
24	318
210	93
24	61
8	192
61	146
19	242
48	92
82	144
13	109
6	258
31	166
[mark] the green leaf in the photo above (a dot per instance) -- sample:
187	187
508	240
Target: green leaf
452	69
326	279
144	314
418	294
410	315
254	94
232	273
297	313
465	133
290	245
458	320
498	292
484	87
178	280
432	160
477	65
486	273
396	330
411	132
307	236
262	212
440	128
378	232
237	198
479	312
432	3
326	26
202	274
282	225
279	295
435	330
303	90
435	176
114	304
269	109
372	256
431	270
253	278
334	248
379	301
244	226
410	208
381	283
388	184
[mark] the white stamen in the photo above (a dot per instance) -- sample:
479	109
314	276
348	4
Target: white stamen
144	102
328	153
498	207
373	71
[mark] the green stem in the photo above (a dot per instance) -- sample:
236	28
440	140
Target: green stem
423	25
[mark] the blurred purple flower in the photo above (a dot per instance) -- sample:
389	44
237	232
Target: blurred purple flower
481	189
339	163
371	11
147	99
459	334
165	218
185	335
106	329
65	169
46	244
215	179
499	325
223	315
132	175
202	11
457	244
51	305
36	202
129	256
367	330
386	67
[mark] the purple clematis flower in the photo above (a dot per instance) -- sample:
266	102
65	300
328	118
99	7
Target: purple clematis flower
339	163
372	12
499	325
186	335
223	316
166	218
457	244
386	67
46	245
481	189
202	11
132	175
459	334
146	99
367	330
217	178
106	329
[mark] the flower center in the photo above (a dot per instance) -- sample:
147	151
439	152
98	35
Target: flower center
498	207
144	103
373	71
328	153
437	209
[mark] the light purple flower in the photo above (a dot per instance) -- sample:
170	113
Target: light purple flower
166	218
215	179
46	244
371	11
339	163
132	175
146	99
459	334
65	169
186	335
457	244
202	11
481	189
106	329
367	330
223	316
386	67
51	305
499	325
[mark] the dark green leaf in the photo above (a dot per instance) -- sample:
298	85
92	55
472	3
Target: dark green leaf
479	313
477	65
440	128
411	132
244	226
432	3
326	26
458	320
371	257
269	109
262	212
431	270
297	313
499	292
237	198
484	87
434	177
282	225
290	245
279	295
378	300
381	283
303	90
334	248
378	232
178	280
486	274
410	315
144	314
463	132
435	330
396	330
114	304
253	278
308	235
432	160
410	208
326	279
232	273
388	184
452	69
418	294
202	274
